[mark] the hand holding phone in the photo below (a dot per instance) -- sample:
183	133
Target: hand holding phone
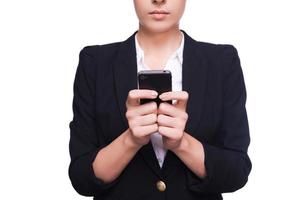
137	115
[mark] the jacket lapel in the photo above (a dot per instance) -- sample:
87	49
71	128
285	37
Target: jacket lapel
125	73
125	79
193	81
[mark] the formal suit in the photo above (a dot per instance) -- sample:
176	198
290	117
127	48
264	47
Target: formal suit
212	76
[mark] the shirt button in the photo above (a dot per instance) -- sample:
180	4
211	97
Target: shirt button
161	186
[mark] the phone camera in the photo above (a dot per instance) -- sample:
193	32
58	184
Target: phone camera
142	77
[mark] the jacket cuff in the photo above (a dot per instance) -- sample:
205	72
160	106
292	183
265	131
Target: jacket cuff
196	183
99	182
83	177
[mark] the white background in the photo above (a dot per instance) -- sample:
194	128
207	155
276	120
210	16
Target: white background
39	47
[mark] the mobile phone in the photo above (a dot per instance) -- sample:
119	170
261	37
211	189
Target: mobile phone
158	80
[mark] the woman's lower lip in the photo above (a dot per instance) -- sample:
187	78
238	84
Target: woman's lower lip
159	16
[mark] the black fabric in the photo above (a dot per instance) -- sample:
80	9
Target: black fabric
212	76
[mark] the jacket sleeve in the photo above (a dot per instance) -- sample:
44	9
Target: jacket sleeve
226	159
85	137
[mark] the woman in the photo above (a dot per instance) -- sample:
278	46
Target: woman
195	148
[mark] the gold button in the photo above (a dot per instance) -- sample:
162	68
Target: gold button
161	186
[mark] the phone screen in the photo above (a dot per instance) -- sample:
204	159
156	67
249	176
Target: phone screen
158	80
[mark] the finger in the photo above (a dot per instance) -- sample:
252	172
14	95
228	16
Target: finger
171	110
142	131
168	109
170	133
181	98
147	108
164	120
145	120
141	110
136	94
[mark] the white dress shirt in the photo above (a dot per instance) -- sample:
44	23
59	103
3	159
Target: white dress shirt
174	64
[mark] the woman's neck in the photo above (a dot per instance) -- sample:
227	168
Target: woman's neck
159	42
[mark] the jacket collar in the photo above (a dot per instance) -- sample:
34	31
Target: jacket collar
193	81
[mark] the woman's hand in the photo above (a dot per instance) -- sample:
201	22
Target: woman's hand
172	118
141	118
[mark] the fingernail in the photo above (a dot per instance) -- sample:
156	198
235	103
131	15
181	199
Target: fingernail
154	93
161	97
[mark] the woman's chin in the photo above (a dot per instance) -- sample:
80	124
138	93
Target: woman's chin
159	27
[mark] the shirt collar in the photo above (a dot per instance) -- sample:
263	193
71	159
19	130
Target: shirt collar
178	53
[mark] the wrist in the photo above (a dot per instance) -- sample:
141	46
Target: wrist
129	142
183	145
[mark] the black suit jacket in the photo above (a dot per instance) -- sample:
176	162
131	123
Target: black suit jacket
212	76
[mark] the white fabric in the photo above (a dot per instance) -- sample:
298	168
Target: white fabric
174	64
